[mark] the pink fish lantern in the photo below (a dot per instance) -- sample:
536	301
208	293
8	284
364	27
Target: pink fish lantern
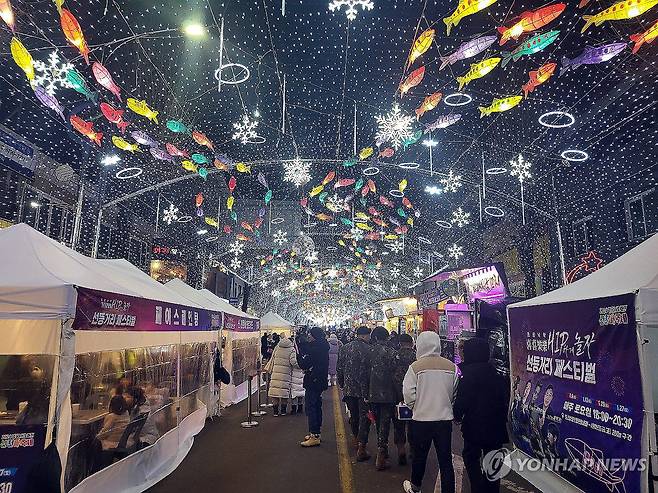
227	229
232	183
103	77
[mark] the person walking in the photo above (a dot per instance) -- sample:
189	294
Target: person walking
428	388
381	391
280	368
334	346
406	356
481	407
313	358
353	375
297	387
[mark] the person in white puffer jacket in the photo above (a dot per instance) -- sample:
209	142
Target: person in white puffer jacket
280	369
297	391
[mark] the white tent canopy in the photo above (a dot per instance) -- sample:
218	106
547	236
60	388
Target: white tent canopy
205	298
274	321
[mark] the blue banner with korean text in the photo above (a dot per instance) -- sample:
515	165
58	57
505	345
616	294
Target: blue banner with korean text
577	401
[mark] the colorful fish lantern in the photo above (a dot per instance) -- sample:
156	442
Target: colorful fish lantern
7	14
124	145
538	77
316	190
258	222
160	154
385	201
464	9
175	151
371	186
365	153
177	126
247	226
243	168
373	211
242	237
443	122
22	58
467	49
114	115
268	197
645	37
350	162
408	141
330	176
358	184
304	202
261	179
387	152
478	70
533	45
220	165
227	229
402	185
499	105
211	221
58	5
142	109
144	138
232	183
428	104
199	158
189	166
79	85
229	202
104	79
592	56
346	221
86	129
323	217
421	45
364	226
344	182
626	9
198	199
48	101
201	139
401	212
531	21
73	33
412	80
199	212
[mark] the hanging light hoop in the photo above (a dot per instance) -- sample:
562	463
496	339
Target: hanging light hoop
236	80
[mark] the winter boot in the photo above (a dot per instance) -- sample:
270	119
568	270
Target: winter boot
402	455
312	441
275	410
380	462
293	409
362	454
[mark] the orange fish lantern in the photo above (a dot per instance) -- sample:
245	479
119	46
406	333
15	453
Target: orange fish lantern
198	200
538	77
73	33
371	186
531	21
258	223
232	183
644	37
202	140
421	45
412	80
247	226
429	103
220	165
330	176
407	203
242	237
86	129
7	14
323	217
388	152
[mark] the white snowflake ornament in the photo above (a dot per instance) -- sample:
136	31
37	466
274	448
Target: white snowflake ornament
297	172
52	74
245	130
452	182
170	214
236	263
461	218
280	237
455	251
236	248
520	168
394	127
351	6
418	272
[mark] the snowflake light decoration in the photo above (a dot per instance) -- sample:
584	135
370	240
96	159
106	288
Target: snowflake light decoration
520	168
280	267
455	251
394	127
357	234
170	214
311	257
276	293
318	286
280	237
451	182
351	6
264	283
297	172
395	272
394	288
396	246
236	248
460	217
378	287
418	272
52	74
245	130
236	263
335	203
293	284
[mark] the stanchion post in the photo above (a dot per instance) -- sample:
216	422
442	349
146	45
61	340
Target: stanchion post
250	423
267	394
258	411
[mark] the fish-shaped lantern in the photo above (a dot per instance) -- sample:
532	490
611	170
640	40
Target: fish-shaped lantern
220	165
199	158
464	9
227	229
268	196
261	179
160	154
538	77
114	115
358	184
644	37
322	197
626	9
175	151
79	84
242	168
104	78
86	129
247	226
348	163
533	45
387	152
373	236
390	236
373	211
478	70
402	185
198	199
242	237
330	176
467	49
413	79
189	166
258	223
211	221
201	139
22	58
371	186
124	145
344	182
428	104
229	202
177	126
48	101
316	190
144	138
499	105
323	217
443	122
364	226
531	21
406	142
73	33
421	45
407	203
365	153
7	14
385	201
592	56
142	109
58	5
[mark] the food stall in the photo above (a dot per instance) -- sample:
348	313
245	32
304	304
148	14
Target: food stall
273	322
103	367
400	315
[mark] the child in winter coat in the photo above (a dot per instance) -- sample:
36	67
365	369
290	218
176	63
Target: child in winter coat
334	346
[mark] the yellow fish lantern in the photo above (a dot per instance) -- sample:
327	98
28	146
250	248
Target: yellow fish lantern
391	236
323	217
500	105
421	45
189	166
364	226
363	216
58	4
7	14
211	221
478	70
142	109
316	190
464	9
229	203
22	58
243	168
124	145
365	153
626	9
402	185
341	242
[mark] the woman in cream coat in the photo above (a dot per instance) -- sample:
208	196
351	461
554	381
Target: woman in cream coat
280	368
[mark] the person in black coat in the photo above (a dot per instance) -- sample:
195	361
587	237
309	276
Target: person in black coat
481	407
313	358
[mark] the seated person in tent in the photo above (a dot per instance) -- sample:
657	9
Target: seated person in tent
115	423
138	407
34	410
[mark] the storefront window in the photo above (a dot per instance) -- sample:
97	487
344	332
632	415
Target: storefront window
195	377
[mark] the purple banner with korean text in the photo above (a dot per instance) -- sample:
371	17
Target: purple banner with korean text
577	400
100	310
241	324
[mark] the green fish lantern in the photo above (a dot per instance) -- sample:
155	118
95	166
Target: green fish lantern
323	197
203	173
234	216
268	196
350	162
346	221
79	85
358	184
401	212
199	158
413	139
176	126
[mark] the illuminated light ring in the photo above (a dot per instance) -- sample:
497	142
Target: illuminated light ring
496	171
570	117
443	224
184	219
422	239
332	249
212	238
446	99
494	211
333	225
575	155
371	171
310	225
235	80
277	220
256	139
123	173
396	193
409	165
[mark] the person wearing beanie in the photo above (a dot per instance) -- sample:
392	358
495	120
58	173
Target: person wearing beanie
313	358
428	389
481	407
334	347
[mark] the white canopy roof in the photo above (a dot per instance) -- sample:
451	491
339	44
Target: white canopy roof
39	276
209	300
635	271
273	320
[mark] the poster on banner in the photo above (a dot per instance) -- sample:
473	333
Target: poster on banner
241	324
577	401
100	310
21	448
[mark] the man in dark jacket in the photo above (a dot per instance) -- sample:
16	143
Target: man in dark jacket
481	406
353	375
381	391
406	356
313	358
